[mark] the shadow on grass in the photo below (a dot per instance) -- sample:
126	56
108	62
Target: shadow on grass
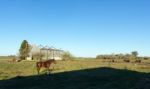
98	78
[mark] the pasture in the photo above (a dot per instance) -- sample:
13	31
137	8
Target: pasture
78	74
27	68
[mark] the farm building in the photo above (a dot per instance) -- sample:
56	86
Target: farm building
45	53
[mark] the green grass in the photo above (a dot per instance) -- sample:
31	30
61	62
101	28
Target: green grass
79	74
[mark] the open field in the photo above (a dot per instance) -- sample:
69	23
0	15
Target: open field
27	68
79	74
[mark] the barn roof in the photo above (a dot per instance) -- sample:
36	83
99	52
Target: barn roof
51	49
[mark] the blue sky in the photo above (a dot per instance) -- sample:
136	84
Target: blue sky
83	27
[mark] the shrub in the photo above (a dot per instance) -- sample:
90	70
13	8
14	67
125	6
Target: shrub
67	56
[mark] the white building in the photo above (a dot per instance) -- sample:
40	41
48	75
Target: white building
46	52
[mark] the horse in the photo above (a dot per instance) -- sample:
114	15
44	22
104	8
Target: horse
126	60
112	60
45	64
138	61
12	60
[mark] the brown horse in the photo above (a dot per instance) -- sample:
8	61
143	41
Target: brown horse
12	60
126	60
46	64
138	61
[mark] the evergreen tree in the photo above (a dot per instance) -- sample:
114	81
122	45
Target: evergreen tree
24	50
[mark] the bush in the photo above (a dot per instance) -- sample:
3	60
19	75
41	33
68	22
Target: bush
37	56
67	56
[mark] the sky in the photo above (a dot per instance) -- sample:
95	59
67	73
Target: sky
86	28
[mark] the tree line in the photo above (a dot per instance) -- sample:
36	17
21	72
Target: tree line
131	56
25	49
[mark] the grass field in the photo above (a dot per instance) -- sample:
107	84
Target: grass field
79	74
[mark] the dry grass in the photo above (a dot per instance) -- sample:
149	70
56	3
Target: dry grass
79	74
26	68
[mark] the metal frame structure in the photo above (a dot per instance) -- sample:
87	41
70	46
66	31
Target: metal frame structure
50	50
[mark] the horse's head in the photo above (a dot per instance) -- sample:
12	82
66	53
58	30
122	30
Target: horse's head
54	61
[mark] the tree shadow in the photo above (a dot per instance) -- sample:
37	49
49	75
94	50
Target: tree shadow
97	78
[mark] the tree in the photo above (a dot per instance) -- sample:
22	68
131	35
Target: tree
24	50
135	53
67	56
37	56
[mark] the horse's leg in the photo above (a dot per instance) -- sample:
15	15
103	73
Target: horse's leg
48	69
38	70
